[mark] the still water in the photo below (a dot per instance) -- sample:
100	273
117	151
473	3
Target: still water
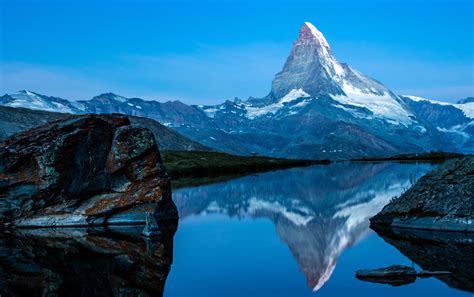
305	232
296	232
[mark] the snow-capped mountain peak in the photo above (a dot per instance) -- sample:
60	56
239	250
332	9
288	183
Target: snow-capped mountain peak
309	31
32	100
111	96
317	108
312	67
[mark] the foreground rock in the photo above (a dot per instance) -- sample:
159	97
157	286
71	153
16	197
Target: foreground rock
83	170
441	200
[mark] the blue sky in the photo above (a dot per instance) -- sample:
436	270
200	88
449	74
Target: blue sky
204	52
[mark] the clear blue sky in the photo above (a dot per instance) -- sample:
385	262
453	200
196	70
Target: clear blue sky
208	51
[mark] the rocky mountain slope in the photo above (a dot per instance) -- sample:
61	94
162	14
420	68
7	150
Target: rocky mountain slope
317	108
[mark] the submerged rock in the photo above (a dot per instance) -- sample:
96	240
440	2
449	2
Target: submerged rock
441	200
83	170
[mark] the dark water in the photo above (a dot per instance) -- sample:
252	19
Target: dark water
297	232
303	232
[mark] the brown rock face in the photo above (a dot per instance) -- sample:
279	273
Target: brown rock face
83	170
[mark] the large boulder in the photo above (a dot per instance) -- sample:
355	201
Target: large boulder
441	200
83	170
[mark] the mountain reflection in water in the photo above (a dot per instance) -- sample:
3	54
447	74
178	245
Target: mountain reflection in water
318	211
226	243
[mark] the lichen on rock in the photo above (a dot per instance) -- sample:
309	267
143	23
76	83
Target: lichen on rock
83	170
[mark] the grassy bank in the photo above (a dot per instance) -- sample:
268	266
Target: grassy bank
428	157
192	167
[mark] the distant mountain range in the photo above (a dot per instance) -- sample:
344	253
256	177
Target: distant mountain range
13	120
317	108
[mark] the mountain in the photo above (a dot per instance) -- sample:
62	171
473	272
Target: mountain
13	120
454	121
317	108
37	101
466	100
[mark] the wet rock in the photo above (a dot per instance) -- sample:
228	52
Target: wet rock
395	275
83	170
441	200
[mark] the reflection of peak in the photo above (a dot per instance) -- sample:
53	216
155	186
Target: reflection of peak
318	212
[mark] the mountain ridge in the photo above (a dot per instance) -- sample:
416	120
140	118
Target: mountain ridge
317	108
15	119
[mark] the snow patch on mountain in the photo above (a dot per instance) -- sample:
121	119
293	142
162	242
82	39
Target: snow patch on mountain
27	99
211	110
382	106
466	108
119	98
458	129
295	94
419	99
326	58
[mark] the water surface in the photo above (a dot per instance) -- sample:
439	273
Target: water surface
296	232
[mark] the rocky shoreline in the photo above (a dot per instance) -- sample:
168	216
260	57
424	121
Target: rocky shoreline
441	200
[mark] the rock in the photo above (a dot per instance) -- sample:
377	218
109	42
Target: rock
441	200
395	275
391	271
83	170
